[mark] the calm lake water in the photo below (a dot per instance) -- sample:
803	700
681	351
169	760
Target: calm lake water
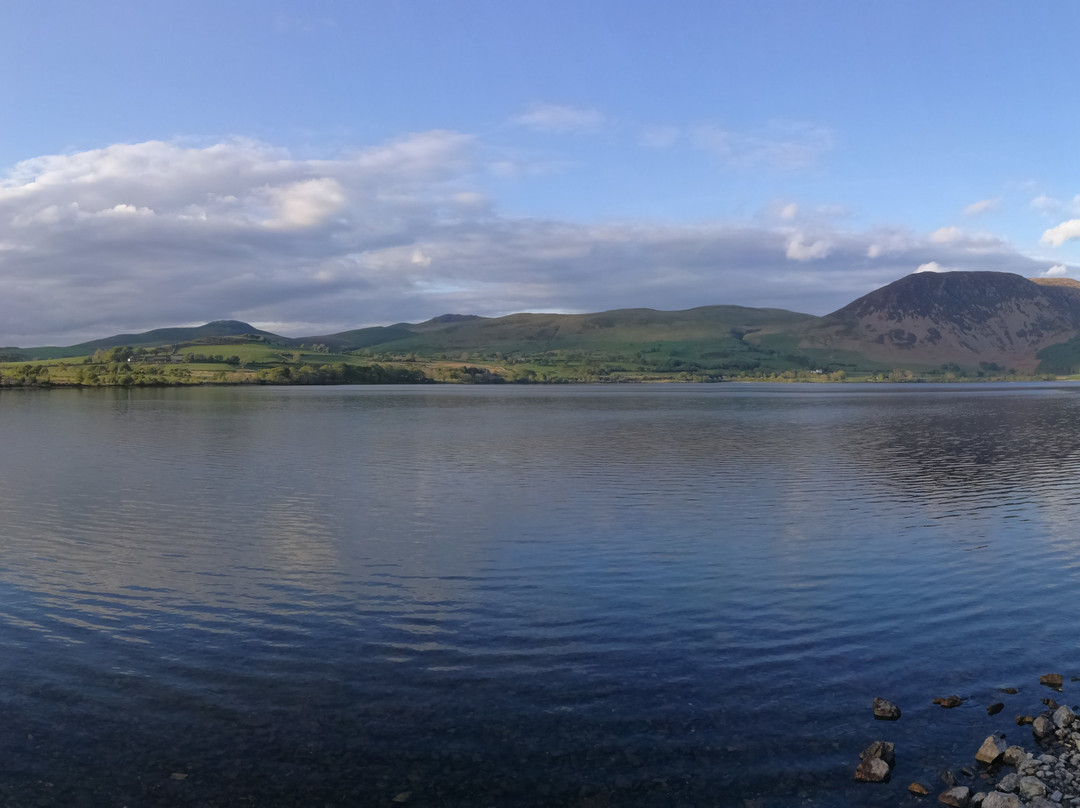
565	596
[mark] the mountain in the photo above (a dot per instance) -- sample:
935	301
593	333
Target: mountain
968	319
974	321
153	339
620	329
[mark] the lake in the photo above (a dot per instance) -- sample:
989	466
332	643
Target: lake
667	595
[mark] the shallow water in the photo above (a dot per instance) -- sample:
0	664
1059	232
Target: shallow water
643	595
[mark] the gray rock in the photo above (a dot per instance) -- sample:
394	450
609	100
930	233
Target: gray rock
999	799
1043	728
1063	716
1010	783
955	797
1031	787
1013	755
885	710
873	770
1041	802
992	748
883	750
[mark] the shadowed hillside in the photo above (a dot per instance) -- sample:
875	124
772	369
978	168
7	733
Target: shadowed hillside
964	318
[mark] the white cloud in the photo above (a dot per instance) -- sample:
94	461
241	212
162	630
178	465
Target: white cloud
799	250
944	235
1066	231
1056	271
932	266
560	118
308	203
983	206
137	236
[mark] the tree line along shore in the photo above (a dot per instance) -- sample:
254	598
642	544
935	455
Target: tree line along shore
241	363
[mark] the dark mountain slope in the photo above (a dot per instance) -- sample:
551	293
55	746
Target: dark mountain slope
966	318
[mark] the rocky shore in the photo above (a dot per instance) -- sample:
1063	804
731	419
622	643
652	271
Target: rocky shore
1045	774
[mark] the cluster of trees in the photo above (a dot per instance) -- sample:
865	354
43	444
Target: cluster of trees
26	376
120	374
470	375
218	359
340	373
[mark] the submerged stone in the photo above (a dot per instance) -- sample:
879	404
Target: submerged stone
1054	680
1010	783
948	702
955	797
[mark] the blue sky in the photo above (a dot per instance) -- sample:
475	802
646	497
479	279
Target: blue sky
311	167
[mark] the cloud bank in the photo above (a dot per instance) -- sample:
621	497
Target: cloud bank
137	236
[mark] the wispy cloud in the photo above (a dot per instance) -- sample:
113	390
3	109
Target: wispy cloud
659	137
983	206
786	147
560	118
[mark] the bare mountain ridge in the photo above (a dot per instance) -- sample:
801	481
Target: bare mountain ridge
964	318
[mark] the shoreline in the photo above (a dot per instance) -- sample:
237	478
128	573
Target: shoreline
1041	770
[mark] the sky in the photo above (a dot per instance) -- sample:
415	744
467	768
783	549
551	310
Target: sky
320	166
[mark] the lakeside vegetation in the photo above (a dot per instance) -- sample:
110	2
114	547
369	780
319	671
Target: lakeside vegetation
862	342
259	360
